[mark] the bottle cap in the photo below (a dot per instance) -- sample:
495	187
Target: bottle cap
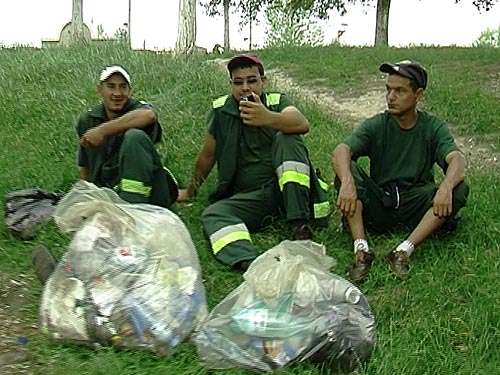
352	295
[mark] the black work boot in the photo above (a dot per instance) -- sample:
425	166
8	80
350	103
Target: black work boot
43	262
302	232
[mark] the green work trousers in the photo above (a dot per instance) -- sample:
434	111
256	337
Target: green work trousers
229	222
138	175
414	202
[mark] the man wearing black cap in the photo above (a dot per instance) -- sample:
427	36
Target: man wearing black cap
263	166
116	147
402	145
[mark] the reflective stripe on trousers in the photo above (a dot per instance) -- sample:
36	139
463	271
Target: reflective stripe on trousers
293	171
321	209
227	235
323	185
135	187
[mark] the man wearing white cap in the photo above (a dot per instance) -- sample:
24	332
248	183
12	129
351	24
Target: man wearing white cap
117	144
117	150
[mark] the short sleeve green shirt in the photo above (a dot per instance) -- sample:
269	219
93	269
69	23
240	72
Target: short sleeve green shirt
403	156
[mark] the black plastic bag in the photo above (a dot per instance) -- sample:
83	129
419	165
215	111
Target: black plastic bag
27	209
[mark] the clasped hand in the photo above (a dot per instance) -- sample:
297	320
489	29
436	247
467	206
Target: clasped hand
254	113
92	138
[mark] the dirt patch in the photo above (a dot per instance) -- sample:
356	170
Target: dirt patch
349	109
16	327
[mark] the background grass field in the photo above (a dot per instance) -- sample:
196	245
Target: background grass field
444	320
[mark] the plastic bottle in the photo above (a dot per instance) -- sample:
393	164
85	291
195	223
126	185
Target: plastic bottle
343	291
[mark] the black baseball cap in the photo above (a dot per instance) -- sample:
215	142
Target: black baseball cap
409	69
245	58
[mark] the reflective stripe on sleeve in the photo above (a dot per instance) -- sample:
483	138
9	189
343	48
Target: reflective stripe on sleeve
293	171
273	98
227	235
219	102
134	186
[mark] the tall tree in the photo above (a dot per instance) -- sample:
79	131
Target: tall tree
226	25
320	8
75	31
186	33
482	4
77	21
212	8
287	27
382	23
249	9
129	24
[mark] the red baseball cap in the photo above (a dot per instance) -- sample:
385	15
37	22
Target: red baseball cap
239	60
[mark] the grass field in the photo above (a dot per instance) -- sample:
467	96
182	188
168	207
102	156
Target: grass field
444	320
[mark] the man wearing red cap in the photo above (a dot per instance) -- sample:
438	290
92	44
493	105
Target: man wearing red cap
402	144
263	166
116	147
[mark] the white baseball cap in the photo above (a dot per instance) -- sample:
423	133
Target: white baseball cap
112	69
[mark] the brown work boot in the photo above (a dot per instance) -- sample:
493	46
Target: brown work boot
362	264
302	232
399	263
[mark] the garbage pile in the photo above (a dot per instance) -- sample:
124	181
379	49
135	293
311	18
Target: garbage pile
130	278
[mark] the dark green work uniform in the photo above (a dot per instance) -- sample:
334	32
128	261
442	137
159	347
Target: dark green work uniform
262	174
128	162
401	186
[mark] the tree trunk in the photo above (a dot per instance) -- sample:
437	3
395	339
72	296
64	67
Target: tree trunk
226	25
77	33
129	40
250	37
186	33
382	25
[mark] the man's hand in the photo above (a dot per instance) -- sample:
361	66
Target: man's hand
93	137
443	202
184	195
254	113
347	199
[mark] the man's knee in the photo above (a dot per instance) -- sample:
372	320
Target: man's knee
135	136
288	141
358	175
211	213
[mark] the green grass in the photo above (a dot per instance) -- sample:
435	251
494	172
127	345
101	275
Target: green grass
444	320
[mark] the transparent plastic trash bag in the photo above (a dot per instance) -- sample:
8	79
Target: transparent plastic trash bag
130	277
289	309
